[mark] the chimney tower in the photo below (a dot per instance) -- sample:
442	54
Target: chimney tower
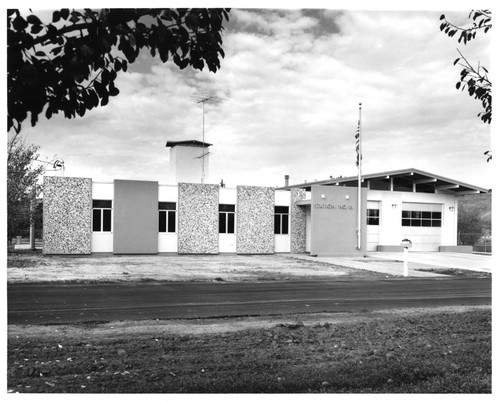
189	161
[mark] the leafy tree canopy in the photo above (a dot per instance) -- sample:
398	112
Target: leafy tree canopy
70	64
22	178
474	79
469	226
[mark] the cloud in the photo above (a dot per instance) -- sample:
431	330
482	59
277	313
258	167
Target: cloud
291	82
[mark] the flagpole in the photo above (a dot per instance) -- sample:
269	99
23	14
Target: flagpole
359	159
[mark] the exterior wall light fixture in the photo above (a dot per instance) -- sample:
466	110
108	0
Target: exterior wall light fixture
323	196
452	208
394	205
347	197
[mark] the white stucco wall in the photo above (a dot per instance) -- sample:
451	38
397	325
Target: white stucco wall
391	232
186	164
227	196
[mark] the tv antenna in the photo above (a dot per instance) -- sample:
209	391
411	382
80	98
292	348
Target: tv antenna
57	164
210	100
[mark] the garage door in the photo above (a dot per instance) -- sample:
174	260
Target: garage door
421	224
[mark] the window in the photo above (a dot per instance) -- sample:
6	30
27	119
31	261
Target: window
101	215
281	214
417	218
372	216
166	216
226	218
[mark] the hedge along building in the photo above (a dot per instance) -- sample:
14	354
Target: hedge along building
82	216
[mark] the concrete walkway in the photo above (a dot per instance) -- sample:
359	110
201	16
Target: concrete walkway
463	261
391	263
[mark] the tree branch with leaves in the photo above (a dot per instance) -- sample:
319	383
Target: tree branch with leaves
473	78
70	64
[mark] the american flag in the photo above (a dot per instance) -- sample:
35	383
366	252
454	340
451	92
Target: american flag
358	155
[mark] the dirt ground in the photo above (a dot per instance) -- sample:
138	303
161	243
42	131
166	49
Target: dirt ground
404	351
27	268
222	325
440	350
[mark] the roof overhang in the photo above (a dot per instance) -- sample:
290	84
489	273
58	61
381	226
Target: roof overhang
412	180
188	143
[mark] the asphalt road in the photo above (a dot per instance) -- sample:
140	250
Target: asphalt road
70	303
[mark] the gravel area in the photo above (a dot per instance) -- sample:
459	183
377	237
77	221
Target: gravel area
27	268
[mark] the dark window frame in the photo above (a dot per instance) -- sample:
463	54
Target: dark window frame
227	218
373	219
281	220
421	218
167	217
102	216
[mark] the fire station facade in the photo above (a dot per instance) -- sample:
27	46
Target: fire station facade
82	216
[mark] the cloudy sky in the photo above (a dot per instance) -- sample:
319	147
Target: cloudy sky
291	82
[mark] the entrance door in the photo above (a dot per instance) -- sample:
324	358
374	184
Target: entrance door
308	229
372	225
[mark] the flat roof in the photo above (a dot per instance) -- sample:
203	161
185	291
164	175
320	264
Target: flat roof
403	180
189	143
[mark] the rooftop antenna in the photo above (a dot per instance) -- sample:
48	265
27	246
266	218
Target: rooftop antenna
57	164
211	100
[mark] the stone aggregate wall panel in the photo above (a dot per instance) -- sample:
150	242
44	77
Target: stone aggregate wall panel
255	220
67	215
198	220
298	222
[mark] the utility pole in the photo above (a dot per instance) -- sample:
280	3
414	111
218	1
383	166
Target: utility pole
359	158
